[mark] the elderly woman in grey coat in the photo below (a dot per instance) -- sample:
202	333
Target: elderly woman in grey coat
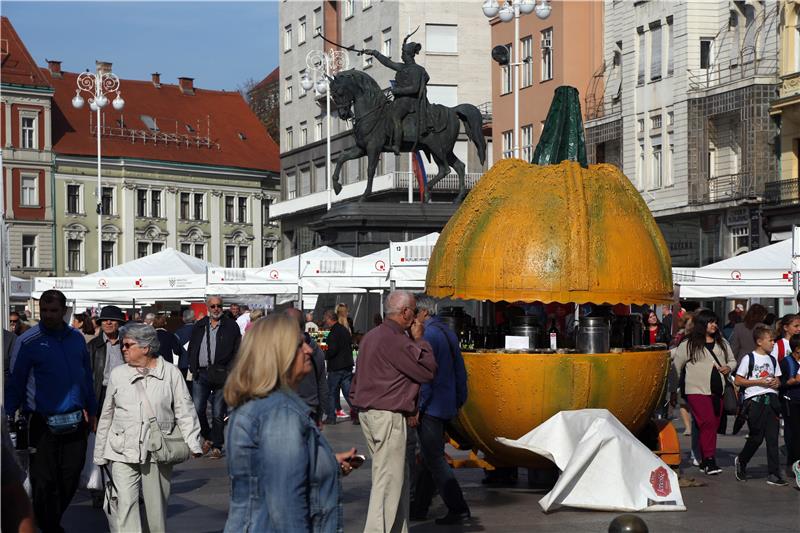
122	431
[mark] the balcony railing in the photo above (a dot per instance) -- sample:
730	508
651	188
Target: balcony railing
723	188
732	71
782	193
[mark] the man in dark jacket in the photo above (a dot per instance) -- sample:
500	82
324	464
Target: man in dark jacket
313	388
340	362
105	350
439	402
212	350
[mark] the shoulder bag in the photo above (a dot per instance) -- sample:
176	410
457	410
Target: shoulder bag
730	400
170	448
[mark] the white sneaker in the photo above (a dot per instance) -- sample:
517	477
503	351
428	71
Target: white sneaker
695	462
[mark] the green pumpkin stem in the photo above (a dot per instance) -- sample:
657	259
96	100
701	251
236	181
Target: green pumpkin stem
562	137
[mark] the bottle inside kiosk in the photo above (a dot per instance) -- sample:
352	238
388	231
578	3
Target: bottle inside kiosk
555	255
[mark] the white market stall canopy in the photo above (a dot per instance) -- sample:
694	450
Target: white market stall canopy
166	275
764	272
19	289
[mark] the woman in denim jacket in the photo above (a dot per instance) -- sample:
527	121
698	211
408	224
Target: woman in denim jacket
284	475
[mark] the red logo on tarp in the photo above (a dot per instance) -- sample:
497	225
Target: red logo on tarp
273	274
659	479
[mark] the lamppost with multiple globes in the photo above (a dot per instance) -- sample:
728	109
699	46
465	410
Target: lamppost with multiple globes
98	85
324	65
513	10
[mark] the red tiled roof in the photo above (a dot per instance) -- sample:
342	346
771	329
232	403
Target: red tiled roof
18	67
271	78
237	137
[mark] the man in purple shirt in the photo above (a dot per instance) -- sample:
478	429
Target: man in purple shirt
393	360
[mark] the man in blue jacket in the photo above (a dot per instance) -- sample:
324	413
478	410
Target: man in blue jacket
439	402
51	380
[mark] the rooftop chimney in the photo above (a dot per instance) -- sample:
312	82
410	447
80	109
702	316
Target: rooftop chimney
103	67
156	79
54	67
187	85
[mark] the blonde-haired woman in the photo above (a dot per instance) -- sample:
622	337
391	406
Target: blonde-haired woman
284	475
343	318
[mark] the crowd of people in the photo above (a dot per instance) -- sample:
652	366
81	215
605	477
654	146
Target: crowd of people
754	361
144	394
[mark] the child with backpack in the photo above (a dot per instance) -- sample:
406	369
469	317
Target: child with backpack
758	373
790	396
788	326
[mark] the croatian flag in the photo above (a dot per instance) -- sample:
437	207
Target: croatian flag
419	172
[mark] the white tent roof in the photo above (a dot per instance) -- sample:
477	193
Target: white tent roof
166	275
19	289
765	272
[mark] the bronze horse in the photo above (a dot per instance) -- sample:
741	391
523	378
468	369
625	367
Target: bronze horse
356	95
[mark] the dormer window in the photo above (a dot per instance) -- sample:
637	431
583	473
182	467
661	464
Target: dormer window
149	122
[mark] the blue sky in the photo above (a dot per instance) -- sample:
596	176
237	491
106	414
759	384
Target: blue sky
219	44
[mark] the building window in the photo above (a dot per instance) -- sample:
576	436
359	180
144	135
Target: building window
107	254
107	199
670	118
797	49
186	248
74	255
657	168
655	122
508	144
287	38
141	203
655	51
527	142
668	171
242	256
30	191
441	39
73	199
289	139
547	54
269	255
642	59
287	94
28	138
157	247
505	74
670	48
185	206
265	206
527	61
155	204
318	130
229	208
386	48
200	250
366	4
366	60
29	257
242	210
142	249
230	257
640	169
640	125
348	9
198	206
303	134
301	31
317	21
300	88
706	53
740	240
305	181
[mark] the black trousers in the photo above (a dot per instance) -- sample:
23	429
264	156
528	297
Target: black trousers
763	423
434	473
55	470
791	430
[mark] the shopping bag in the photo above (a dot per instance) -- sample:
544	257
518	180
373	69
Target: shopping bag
90	475
110	501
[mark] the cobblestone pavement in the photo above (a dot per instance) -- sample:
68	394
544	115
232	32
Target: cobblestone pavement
199	500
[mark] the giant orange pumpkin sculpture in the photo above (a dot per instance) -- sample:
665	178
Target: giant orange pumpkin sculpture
556	231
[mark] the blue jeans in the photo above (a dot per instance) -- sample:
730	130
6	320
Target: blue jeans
201	391
434	473
338	379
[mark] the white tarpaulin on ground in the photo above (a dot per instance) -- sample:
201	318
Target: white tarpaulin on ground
603	466
166	275
765	272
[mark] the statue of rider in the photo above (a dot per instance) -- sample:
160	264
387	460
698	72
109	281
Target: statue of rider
410	93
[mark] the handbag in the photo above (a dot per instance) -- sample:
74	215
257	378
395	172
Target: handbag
730	400
169	448
110	499
66	423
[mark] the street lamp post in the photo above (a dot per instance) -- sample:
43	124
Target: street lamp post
324	65
513	10
98	85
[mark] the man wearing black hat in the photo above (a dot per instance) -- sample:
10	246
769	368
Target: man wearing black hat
105	350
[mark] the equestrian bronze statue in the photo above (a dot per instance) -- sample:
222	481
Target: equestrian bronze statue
405	123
